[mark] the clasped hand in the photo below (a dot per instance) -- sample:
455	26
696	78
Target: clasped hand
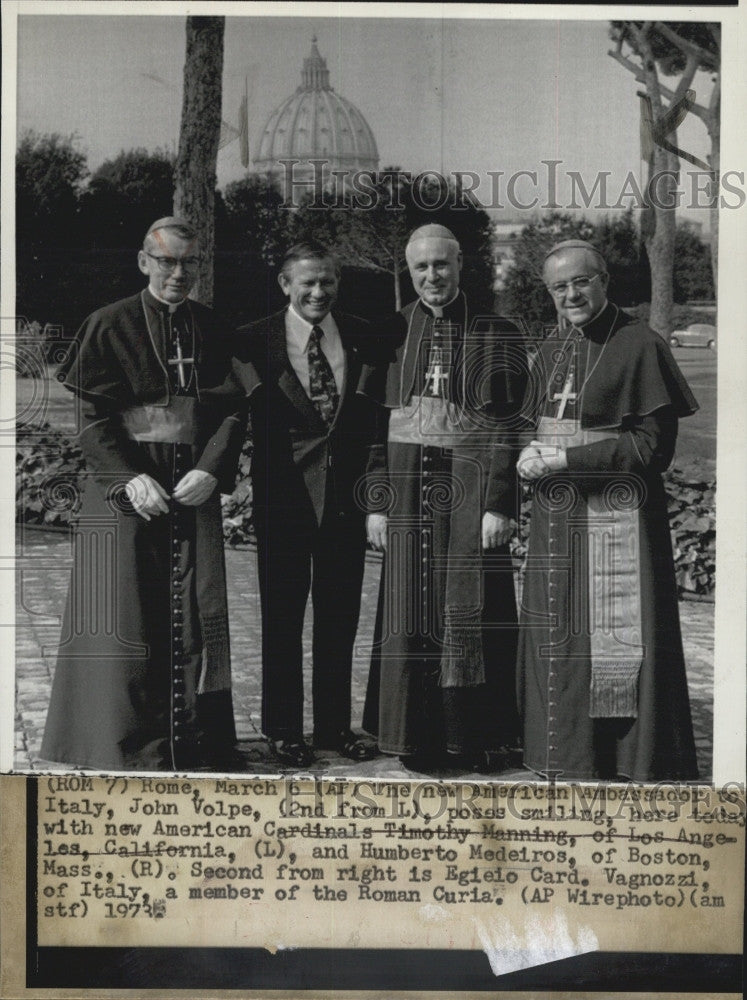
496	530
539	459
149	498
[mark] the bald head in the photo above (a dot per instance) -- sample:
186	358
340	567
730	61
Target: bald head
432	231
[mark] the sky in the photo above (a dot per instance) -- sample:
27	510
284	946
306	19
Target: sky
440	94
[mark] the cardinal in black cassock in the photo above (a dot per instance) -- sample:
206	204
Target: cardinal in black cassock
442	498
601	670
143	679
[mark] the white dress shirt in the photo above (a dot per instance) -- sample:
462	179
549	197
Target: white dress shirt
297	333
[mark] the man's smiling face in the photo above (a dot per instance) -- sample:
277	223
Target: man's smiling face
434	264
311	285
577	283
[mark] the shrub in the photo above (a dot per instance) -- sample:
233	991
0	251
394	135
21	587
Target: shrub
47	468
692	521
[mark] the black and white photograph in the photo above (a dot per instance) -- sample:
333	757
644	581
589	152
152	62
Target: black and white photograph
370	373
356	182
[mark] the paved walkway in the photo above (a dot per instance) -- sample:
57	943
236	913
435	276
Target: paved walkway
43	560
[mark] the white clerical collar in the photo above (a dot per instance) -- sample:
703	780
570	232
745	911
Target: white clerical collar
438	311
173	306
595	316
300	328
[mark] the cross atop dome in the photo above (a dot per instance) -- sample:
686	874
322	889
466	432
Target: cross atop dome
314	75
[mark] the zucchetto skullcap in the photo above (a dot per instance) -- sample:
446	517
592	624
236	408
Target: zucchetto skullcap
432	231
574	245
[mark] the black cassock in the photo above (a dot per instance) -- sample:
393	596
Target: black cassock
143	670
443	665
601	670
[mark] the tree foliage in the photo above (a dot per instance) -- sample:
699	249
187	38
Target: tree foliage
50	173
126	194
693	277
255	221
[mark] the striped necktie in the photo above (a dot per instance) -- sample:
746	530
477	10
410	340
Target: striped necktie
322	386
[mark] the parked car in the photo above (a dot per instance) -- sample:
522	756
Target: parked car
696	335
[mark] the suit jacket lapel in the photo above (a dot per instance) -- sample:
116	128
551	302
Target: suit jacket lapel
352	366
281	369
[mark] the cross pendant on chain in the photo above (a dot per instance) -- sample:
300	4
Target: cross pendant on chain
566	396
437	375
180	361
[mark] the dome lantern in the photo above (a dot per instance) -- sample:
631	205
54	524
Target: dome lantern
314	75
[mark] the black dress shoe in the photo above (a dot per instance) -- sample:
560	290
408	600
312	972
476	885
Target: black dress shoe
221	757
347	744
294	752
479	761
423	761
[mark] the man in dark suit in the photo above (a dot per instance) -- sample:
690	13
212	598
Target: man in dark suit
311	434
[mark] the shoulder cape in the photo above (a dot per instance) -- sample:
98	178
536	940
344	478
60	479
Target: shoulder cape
113	359
636	376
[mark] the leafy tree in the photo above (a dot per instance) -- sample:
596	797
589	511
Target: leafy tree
199	138
693	277
256	223
618	240
374	238
125	195
50	172
650	50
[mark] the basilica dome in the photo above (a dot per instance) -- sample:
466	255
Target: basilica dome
315	123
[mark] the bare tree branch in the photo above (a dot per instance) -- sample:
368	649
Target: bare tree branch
703	56
688	74
629	65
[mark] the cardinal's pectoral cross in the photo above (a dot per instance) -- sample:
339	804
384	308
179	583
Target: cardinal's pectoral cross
566	396
437	375
180	361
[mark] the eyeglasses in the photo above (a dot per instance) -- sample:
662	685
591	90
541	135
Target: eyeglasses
168	264
580	284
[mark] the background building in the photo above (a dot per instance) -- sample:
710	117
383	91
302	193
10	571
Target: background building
316	123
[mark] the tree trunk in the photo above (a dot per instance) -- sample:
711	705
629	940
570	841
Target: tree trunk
195	171
660	242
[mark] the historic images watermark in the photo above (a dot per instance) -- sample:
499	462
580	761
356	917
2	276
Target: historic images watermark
521	190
